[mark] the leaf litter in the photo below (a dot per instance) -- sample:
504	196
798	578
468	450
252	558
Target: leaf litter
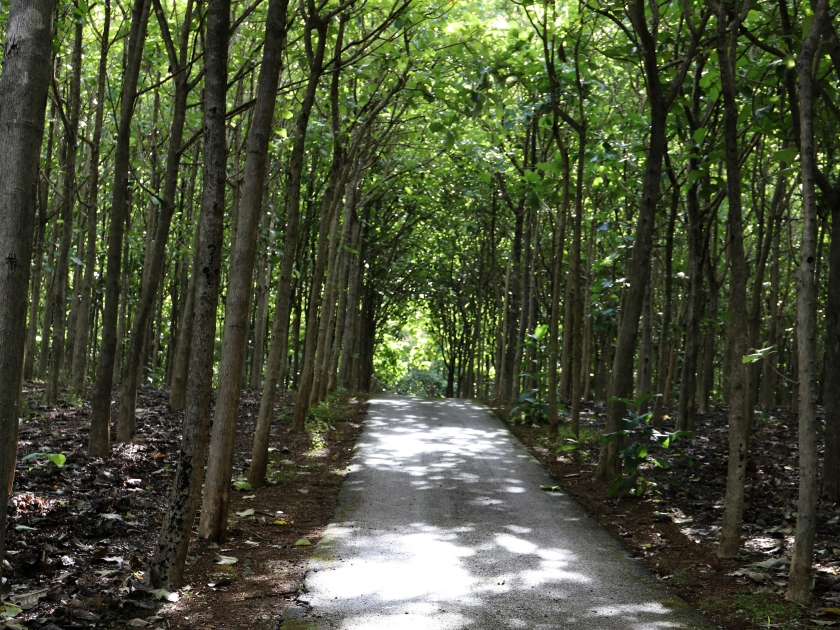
81	531
674	530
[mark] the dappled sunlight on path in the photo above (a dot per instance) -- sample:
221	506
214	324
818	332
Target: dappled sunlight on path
442	525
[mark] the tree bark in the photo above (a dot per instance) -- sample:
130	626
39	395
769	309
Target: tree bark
156	253
71	141
733	505
180	368
276	364
80	352
799	585
216	497
99	439
23	100
167	565
559	245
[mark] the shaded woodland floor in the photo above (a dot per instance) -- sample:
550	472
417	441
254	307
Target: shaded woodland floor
80	535
673	531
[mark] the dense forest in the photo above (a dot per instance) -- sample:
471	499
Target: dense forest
530	202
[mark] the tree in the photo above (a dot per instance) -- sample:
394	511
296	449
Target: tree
23	100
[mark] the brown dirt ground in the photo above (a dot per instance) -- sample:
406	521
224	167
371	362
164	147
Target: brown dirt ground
682	553
80	535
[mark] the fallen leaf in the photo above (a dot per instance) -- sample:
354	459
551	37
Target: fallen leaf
9	610
111	517
551	488
302	543
242	485
225	560
252	543
24	528
244	513
26	601
162	593
220	582
830	611
282	522
138	623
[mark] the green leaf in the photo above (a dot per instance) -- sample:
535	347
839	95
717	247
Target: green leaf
787	156
56	458
7	611
303	543
699	135
242	485
540	331
76	260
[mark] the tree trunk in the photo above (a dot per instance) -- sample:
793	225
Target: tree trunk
216	497
167	565
23	100
59	305
99	438
156	253
559	245
686	406
733	504
80	352
668	299
799	586
276	365
621	378
180	368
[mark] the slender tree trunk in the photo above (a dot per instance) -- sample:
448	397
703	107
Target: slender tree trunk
686	414
621	378
35	295
180	368
99	438
276	365
167	565
59	305
348	226
577	365
668	298
799	585
80	352
156	253
559	245
216	497
351	315
23	100
733	506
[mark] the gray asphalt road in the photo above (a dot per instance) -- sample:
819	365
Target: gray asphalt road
441	525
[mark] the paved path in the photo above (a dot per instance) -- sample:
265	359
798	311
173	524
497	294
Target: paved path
441	525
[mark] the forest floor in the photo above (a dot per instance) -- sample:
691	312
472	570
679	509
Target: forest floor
80	534
673	529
